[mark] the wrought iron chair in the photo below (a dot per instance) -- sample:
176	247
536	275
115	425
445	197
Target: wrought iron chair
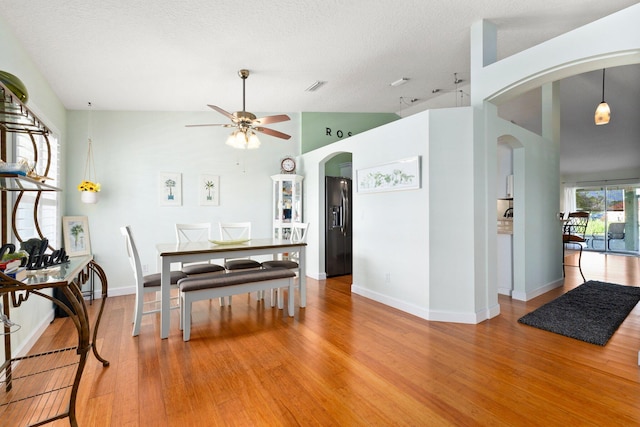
573	233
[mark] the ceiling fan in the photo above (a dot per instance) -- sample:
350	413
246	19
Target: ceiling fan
246	123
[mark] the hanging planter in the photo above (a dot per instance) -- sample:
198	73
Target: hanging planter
90	186
89	197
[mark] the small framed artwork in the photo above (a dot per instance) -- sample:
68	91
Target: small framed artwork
76	235
402	174
209	190
170	185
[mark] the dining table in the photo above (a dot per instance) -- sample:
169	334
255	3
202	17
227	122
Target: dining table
187	252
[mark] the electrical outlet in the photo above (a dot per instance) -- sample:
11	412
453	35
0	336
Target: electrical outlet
387	277
145	268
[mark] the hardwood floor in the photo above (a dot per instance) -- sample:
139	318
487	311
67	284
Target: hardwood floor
345	360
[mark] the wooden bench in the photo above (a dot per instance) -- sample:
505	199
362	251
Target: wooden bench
216	285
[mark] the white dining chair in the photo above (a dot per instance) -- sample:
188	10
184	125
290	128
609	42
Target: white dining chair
238	231
145	284
292	259
197	232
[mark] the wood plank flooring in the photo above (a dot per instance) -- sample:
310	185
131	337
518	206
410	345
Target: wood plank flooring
348	361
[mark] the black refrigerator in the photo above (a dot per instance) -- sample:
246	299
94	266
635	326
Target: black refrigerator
338	240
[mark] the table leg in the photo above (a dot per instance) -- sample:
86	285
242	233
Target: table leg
303	276
165	298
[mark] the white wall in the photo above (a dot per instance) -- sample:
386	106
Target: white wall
132	148
412	249
538	263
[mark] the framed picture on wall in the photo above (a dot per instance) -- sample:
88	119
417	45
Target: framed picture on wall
209	187
75	230
170	185
402	174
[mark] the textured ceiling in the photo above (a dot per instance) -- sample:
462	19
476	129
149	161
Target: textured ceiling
181	55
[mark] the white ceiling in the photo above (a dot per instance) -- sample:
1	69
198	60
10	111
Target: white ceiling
181	55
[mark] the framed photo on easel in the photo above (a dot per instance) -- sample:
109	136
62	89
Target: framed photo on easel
75	230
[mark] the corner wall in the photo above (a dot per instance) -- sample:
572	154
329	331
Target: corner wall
412	249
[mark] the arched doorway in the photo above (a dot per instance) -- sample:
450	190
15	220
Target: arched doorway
338	213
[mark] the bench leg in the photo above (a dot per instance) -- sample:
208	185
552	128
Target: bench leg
186	320
292	288
181	310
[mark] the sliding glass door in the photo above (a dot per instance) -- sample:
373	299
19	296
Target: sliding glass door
613	220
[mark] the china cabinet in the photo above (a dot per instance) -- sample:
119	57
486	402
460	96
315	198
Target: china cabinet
42	386
287	203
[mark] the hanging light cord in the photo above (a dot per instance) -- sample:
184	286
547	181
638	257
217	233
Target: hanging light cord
603	84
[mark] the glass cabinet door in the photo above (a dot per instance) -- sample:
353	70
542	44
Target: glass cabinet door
287	203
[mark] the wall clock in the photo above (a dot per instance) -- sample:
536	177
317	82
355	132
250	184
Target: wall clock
288	165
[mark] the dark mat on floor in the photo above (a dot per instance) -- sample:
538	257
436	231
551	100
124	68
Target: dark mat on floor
591	312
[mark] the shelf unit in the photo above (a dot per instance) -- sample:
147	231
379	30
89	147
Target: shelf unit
16	182
42	387
39	388
287	203
16	117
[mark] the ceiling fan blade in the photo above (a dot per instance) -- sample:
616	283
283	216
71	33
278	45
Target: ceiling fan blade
272	132
272	119
226	125
223	112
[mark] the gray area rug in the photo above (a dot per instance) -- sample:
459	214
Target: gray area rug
591	312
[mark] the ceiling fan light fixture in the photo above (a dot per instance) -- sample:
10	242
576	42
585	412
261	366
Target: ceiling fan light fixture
253	142
243	140
603	112
236	140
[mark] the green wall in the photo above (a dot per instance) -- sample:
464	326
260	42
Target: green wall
320	129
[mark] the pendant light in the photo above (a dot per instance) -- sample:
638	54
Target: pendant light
603	112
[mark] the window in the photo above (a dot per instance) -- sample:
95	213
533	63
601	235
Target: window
43	151
613	217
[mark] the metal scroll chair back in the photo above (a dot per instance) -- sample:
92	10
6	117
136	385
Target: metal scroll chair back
573	236
575	227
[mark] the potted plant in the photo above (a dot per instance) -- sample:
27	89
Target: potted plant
89	191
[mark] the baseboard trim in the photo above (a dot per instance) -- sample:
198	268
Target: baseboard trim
438	316
526	296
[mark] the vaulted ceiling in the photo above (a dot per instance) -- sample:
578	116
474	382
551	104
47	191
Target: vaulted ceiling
180	56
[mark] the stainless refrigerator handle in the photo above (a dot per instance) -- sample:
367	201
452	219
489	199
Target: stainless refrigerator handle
345	211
